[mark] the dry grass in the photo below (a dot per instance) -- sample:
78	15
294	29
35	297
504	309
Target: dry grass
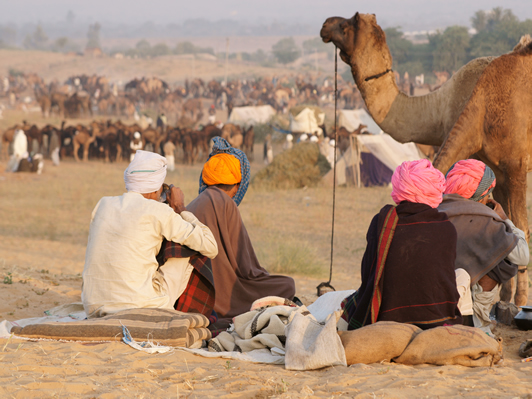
301	166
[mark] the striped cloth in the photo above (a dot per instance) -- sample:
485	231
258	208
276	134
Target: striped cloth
164	326
222	146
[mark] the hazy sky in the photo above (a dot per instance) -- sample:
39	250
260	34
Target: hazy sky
409	14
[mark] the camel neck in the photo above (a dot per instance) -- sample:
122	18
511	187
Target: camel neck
379	92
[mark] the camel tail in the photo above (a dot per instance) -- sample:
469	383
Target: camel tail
465	138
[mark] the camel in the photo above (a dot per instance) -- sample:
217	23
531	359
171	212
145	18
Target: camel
82	138
496	126
424	119
249	141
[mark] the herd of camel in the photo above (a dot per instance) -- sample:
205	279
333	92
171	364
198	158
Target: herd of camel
111	141
80	96
484	111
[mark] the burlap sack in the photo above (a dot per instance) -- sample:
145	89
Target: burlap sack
462	345
383	340
311	345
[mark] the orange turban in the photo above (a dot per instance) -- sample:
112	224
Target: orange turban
222	169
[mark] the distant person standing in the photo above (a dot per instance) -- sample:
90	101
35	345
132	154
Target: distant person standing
135	145
268	150
212	114
162	122
169	148
20	150
54	148
289	143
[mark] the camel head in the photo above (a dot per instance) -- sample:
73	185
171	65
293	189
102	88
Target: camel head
361	41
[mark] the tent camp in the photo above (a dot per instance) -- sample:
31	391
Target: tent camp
372	159
245	116
352	118
307	122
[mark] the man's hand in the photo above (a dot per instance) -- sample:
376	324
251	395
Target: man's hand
176	199
497	208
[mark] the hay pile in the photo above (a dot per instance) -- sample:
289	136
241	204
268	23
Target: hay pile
301	166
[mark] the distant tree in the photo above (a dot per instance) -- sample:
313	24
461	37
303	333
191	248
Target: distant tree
8	35
37	40
93	36
70	17
61	43
450	49
286	50
190	48
143	48
479	21
501	37
184	48
400	47
317	45
159	49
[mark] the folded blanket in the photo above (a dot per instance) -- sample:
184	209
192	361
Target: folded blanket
164	326
258	329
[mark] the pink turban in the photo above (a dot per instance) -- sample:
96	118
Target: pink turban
418	181
471	179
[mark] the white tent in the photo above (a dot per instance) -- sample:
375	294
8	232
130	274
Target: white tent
382	146
352	118
387	150
245	116
306	122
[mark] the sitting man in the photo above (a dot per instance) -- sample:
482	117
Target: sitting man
408	267
126	232
489	245
238	277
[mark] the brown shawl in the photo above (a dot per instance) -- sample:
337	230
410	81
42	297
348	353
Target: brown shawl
484	240
238	277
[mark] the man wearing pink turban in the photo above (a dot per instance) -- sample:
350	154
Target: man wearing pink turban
489	247
408	267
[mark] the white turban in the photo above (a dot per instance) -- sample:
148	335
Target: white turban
146	173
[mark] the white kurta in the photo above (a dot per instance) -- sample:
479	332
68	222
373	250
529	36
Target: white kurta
125	236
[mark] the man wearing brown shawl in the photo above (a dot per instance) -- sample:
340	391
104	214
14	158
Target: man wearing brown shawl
238	277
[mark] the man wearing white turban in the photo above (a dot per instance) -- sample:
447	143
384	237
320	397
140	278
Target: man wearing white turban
126	232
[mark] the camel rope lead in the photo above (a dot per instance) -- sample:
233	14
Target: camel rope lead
328	283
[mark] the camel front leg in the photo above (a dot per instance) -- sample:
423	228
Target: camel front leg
501	195
118	153
517	212
76	146
86	152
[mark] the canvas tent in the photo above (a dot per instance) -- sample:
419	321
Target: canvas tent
352	118
372	159
246	116
307	122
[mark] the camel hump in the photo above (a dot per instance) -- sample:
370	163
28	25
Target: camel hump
525	43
